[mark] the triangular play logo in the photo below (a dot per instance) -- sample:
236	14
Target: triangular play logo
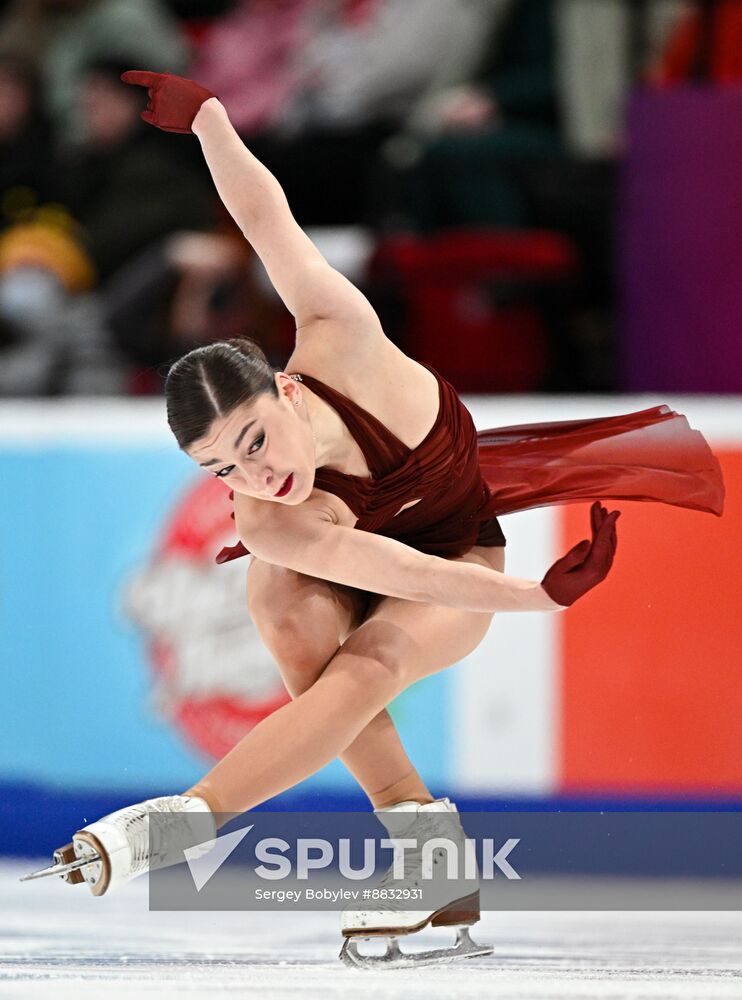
202	865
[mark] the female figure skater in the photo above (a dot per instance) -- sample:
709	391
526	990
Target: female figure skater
356	435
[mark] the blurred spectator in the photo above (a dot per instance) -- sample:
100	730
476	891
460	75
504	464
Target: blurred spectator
127	183
25	153
25	140
303	65
604	48
462	158
124	188
371	60
63	36
185	290
315	86
251	59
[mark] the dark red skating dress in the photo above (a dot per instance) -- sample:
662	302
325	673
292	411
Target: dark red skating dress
465	478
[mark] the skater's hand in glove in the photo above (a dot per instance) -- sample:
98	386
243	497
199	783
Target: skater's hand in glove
587	563
173	101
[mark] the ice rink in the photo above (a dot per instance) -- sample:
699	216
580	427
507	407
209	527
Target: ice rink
60	941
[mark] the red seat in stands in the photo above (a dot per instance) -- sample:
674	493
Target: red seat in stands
470	302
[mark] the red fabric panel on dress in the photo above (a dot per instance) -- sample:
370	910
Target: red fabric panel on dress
651	455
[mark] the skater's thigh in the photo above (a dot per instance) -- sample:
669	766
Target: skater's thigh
420	639
282	601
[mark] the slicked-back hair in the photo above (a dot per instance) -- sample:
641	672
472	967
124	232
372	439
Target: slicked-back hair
210	381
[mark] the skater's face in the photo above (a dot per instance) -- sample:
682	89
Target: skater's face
257	446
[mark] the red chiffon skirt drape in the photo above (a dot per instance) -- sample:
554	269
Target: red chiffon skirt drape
651	455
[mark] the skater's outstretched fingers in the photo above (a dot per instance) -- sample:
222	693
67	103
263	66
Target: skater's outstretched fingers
141	77
600	558
598	514
604	543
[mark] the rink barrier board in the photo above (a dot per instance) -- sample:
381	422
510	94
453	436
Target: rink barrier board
35	820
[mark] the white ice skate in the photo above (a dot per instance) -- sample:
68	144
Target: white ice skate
421	822
116	848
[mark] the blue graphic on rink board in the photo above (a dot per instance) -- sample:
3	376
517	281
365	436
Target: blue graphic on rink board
76	523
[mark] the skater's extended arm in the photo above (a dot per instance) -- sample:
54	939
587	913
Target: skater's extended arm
310	288
306	540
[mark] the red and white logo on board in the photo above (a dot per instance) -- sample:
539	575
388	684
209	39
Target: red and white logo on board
212	677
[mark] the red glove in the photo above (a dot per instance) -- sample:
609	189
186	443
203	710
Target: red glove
585	565
173	101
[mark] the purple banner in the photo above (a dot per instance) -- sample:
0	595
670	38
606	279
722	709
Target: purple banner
680	242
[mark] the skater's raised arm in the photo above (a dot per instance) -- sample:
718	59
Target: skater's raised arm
307	541
306	283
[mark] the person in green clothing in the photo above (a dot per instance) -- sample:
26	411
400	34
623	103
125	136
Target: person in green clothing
469	170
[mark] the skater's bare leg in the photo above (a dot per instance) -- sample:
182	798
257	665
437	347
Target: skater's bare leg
399	642
376	759
303	622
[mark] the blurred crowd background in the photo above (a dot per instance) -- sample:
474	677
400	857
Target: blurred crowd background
470	164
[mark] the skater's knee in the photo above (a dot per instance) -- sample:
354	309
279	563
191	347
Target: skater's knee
269	590
297	646
276	599
284	600
301	644
302	620
383	653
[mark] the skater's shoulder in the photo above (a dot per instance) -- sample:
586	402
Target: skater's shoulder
384	383
342	356
259	521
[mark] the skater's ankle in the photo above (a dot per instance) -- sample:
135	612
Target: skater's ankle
199	791
388	802
408	788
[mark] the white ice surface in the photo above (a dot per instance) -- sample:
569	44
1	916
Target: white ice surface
58	940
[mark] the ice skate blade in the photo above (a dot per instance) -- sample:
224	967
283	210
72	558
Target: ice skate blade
395	958
71	866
